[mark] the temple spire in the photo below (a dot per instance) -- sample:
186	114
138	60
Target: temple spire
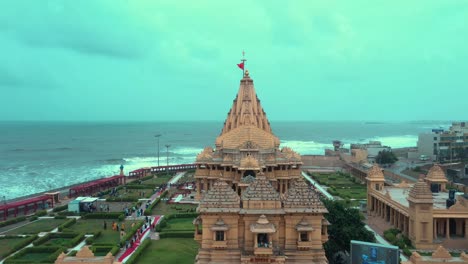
246	109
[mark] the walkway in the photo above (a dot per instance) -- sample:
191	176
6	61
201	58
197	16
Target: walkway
318	186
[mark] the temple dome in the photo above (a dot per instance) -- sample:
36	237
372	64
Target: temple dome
300	195
375	173
420	193
261	190
436	174
220	196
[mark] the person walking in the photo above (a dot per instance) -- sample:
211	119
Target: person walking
105	225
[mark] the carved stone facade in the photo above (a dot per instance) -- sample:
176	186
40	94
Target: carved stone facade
85	256
424	211
246	147
254	205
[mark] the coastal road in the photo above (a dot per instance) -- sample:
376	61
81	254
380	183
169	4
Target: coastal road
378	237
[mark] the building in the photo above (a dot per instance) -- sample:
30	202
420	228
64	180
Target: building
426	212
444	145
254	204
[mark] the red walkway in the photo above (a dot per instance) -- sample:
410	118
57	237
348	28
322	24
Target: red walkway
97	185
135	245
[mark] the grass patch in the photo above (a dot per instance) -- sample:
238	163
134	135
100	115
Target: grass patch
343	185
178	224
159	179
7	244
163	208
91	226
36	227
170	250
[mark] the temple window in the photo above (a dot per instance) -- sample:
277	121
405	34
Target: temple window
219	235
304	236
262	240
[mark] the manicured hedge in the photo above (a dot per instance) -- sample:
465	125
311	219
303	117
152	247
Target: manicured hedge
102	215
126	199
41	213
60	208
54	253
76	238
13	221
131	233
133	259
67	223
165	219
90	240
18	246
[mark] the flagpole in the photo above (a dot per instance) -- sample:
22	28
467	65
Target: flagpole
243	62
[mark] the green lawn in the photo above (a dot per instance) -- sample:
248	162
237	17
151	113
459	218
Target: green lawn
36	227
342	185
179	224
170	250
7	244
57	242
163	208
159	179
90	226
35	257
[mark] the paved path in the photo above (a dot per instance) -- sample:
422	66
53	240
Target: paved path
176	178
318	186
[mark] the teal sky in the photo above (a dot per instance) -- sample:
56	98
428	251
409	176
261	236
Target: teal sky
176	60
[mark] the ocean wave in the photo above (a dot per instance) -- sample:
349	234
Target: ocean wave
306	147
187	151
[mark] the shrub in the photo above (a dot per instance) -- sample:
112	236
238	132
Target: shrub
60	208
13	221
126	199
67	223
407	252
33	218
41	213
72	253
103	215
131	233
60	217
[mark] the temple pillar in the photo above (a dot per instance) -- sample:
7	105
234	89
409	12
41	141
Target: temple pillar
198	188
205	184
435	228
466	228
447	228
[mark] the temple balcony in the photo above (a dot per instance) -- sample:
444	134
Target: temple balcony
219	244
304	245
262	251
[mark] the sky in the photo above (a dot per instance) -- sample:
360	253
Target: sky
136	60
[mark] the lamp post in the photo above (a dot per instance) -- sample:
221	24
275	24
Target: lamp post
4	199
157	136
167	158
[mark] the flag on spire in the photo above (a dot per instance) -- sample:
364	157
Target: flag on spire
241	65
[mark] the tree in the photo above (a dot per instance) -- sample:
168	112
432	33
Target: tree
386	157
346	225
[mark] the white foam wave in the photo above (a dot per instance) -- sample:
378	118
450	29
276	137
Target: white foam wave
187	151
306	147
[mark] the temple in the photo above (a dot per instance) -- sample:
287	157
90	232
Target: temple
254	204
426	212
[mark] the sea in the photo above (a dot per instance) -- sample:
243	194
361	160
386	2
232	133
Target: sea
41	156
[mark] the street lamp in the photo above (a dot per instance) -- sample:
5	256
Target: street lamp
157	136
4	199
167	158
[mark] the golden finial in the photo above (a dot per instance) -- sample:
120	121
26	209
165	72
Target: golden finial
246	72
